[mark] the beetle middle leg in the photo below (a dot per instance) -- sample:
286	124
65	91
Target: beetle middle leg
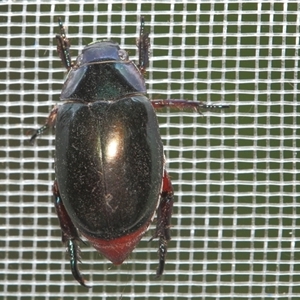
50	122
70	235
164	213
182	104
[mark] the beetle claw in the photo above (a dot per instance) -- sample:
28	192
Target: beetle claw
83	242
153	237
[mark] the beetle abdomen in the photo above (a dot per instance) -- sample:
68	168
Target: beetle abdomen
109	165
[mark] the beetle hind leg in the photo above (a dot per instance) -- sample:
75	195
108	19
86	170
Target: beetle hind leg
74	252
70	236
164	213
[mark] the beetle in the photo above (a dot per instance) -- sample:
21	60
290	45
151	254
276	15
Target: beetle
110	166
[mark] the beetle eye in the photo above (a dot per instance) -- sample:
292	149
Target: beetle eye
123	55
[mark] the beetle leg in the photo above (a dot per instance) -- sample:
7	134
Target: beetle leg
50	122
70	235
182	104
143	44
63	46
164	213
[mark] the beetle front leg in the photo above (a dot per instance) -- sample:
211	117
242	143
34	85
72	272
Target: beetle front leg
143	44
164	213
70	236
63	46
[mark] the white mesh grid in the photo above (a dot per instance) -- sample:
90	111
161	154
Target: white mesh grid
235	233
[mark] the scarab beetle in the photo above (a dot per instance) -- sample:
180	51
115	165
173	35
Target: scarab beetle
109	163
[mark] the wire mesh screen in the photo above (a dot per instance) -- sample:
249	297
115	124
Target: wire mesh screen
234	172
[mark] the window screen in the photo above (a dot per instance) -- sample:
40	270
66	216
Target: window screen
235	221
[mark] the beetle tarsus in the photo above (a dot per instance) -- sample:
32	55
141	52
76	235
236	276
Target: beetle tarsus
164	213
63	47
70	236
143	44
205	106
162	256
50	122
38	132
74	252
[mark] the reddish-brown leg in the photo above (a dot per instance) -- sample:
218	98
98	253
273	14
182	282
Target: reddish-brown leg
63	50
143	44
182	104
70	236
164	213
